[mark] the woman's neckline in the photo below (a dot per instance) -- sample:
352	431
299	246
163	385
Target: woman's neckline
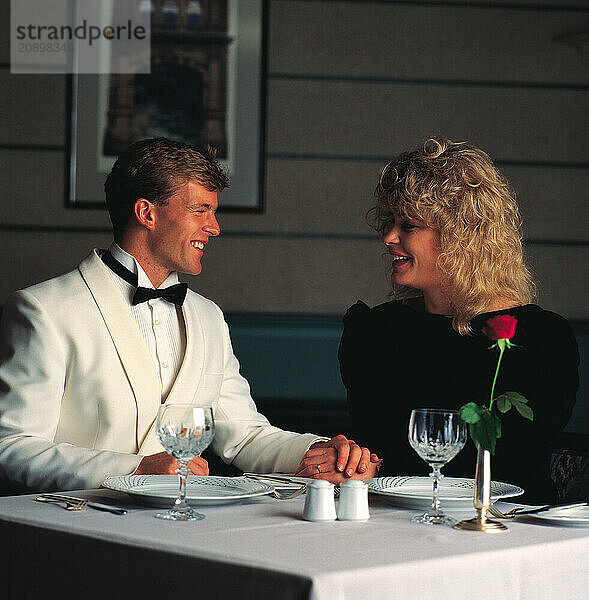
489	313
418	305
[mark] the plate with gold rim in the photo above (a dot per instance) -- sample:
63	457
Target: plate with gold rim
201	490
455	492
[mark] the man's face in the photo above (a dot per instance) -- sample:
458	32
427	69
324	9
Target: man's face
183	228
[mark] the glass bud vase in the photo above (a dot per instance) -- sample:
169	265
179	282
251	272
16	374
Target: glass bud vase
482	497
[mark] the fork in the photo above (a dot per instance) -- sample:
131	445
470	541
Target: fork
497	513
294	494
74	504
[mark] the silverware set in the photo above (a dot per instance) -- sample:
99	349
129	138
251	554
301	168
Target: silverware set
76	504
286	479
276	494
522	510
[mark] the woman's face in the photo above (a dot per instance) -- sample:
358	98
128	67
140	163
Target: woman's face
414	248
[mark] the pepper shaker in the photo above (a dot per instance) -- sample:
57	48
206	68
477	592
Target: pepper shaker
353	501
319	502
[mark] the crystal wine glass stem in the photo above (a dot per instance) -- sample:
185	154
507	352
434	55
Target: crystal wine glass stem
436	476
183	472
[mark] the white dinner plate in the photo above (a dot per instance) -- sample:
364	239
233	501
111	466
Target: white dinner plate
162	490
416	492
577	516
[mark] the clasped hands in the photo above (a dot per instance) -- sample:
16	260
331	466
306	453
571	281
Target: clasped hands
337	460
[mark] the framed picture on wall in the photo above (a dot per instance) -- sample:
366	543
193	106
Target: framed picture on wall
206	86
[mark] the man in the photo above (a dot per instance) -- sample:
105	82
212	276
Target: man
87	358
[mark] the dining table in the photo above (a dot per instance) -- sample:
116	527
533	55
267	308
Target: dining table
262	548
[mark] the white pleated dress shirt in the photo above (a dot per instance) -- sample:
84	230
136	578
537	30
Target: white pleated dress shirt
161	322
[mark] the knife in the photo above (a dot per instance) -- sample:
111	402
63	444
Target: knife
115	510
531	511
279	478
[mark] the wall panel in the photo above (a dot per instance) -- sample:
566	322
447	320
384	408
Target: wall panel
35	256
34	185
562	274
368	119
313	196
425	41
292	276
553	201
32	109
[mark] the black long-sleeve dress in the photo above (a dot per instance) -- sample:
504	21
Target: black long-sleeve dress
394	358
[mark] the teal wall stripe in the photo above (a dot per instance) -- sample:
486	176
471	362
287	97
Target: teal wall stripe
287	356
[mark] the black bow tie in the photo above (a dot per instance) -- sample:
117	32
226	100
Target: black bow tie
175	293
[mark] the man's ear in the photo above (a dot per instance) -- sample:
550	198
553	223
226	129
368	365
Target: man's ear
144	213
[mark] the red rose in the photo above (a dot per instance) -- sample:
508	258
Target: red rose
500	327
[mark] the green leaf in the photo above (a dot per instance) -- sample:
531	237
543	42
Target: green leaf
497	426
521	405
503	403
471	412
515	397
525	411
486	430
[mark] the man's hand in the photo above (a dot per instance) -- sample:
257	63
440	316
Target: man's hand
164	464
337	460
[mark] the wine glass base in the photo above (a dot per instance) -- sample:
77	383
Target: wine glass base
186	514
433	519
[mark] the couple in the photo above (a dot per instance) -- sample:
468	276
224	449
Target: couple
86	359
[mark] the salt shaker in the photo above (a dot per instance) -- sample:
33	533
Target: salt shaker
353	501
319	502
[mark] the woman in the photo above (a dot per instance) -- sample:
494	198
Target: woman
451	225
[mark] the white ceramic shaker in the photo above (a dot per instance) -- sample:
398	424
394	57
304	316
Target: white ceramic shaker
319	502
353	501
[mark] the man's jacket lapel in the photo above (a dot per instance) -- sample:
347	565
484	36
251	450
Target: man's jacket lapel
130	345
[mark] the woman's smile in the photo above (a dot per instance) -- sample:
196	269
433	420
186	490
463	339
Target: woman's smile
414	248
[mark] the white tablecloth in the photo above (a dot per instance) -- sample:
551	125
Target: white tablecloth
248	550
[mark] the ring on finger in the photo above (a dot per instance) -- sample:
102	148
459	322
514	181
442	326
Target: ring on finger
318	467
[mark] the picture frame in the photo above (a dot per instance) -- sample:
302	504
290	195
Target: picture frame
239	133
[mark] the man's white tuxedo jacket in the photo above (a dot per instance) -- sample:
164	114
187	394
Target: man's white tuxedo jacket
79	392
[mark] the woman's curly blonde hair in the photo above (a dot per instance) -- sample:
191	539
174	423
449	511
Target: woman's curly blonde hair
455	188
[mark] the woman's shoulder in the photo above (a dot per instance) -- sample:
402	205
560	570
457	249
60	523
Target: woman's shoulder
533	315
387	321
535	322
369	334
361	313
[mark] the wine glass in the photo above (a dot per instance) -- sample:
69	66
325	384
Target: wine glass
437	435
184	430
